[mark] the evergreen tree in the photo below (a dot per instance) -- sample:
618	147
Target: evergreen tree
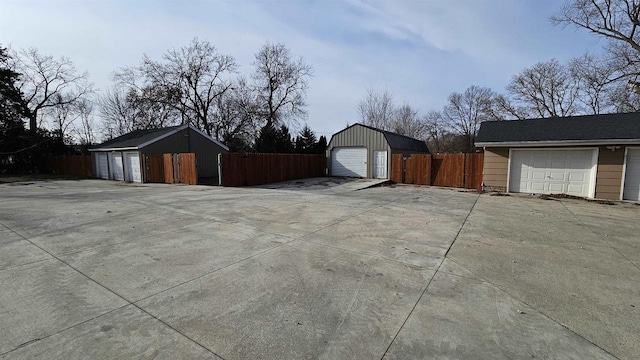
274	140
284	141
306	141
321	145
266	141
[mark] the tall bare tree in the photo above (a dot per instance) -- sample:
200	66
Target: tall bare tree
84	129
237	116
407	122
46	82
594	76
187	80
615	20
465	111
377	109
281	82
546	89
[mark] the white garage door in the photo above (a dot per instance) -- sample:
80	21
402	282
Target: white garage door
103	166
116	166
553	172
132	166
349	162
632	175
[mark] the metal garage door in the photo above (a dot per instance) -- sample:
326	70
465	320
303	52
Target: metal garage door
349	161
117	172
103	166
553	171
632	175
132	167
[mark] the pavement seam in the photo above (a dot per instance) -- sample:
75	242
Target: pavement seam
430	280
599	236
499	287
109	290
33	341
263	251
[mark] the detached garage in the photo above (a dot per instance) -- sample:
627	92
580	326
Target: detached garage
364	151
593	156
121	158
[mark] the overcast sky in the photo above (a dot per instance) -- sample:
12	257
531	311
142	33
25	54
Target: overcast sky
420	50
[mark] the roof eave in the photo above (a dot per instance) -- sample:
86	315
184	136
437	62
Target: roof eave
115	149
556	143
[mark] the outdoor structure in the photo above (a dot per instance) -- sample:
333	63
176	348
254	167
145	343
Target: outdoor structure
364	151
121	158
594	156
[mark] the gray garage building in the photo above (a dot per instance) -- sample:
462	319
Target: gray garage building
364	151
121	158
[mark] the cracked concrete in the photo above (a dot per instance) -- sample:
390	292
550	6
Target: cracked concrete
322	268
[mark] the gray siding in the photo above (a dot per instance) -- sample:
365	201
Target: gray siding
360	136
188	140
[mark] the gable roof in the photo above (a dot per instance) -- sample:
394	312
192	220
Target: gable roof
140	138
397	141
591	129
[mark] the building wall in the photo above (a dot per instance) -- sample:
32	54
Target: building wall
496	169
360	136
609	175
188	140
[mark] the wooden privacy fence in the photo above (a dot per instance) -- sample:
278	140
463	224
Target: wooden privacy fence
257	169
78	165
153	166
180	168
447	170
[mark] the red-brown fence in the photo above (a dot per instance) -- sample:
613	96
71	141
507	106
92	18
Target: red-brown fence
180	168
418	169
153	166
78	165
257	169
447	170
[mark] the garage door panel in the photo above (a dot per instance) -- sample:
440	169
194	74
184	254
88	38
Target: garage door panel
349	161
552	171
103	166
116	166
632	175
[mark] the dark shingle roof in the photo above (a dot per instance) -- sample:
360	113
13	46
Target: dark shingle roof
589	127
135	138
401	142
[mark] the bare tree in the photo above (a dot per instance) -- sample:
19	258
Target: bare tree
118	114
594	76
614	20
464	112
48	83
85	129
62	116
407	122
237	115
621	99
546	90
187	82
281	82
377	109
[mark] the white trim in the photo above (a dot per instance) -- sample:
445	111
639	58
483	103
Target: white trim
624	170
594	167
559	143
594	173
211	138
508	170
113	149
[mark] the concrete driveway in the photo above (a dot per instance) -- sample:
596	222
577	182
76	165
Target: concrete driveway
98	269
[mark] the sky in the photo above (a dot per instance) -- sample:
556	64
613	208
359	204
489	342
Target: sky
421	51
